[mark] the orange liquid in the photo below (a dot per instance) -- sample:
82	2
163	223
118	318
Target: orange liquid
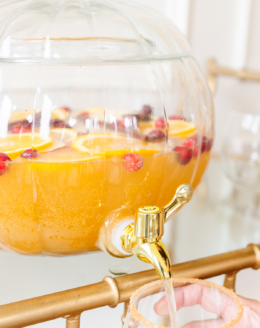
58	208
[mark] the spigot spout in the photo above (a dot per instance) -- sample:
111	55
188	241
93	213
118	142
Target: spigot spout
143	238
153	252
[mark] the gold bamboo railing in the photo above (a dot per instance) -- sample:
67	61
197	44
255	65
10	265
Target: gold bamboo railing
214	70
70	304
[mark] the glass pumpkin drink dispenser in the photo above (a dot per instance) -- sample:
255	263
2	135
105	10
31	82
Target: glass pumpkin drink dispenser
103	110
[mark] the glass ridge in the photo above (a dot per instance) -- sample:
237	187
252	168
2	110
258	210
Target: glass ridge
83	31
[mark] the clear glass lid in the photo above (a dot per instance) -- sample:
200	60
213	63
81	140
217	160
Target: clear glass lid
86	31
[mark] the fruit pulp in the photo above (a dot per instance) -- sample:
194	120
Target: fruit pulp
58	208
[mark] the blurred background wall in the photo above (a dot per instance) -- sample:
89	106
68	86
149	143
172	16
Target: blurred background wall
228	31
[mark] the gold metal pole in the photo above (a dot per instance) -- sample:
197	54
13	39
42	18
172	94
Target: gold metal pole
73	321
113	291
230	281
126	307
214	70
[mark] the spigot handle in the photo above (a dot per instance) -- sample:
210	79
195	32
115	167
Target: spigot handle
183	195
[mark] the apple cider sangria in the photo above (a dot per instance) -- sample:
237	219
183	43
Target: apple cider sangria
60	182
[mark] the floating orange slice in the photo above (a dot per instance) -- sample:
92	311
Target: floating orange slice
57	144
61	138
144	127
65	135
110	145
181	129
62	160
22	115
15	144
66	155
59	113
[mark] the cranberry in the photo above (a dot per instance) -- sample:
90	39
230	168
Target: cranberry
184	154
56	123
176	118
83	115
16	129
147	109
160	123
22	128
193	138
30	153
204	144
190	142
4	157
27	126
155	135
209	144
67	109
145	113
122	123
133	162
4	167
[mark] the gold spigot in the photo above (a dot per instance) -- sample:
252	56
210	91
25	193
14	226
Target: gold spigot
143	238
